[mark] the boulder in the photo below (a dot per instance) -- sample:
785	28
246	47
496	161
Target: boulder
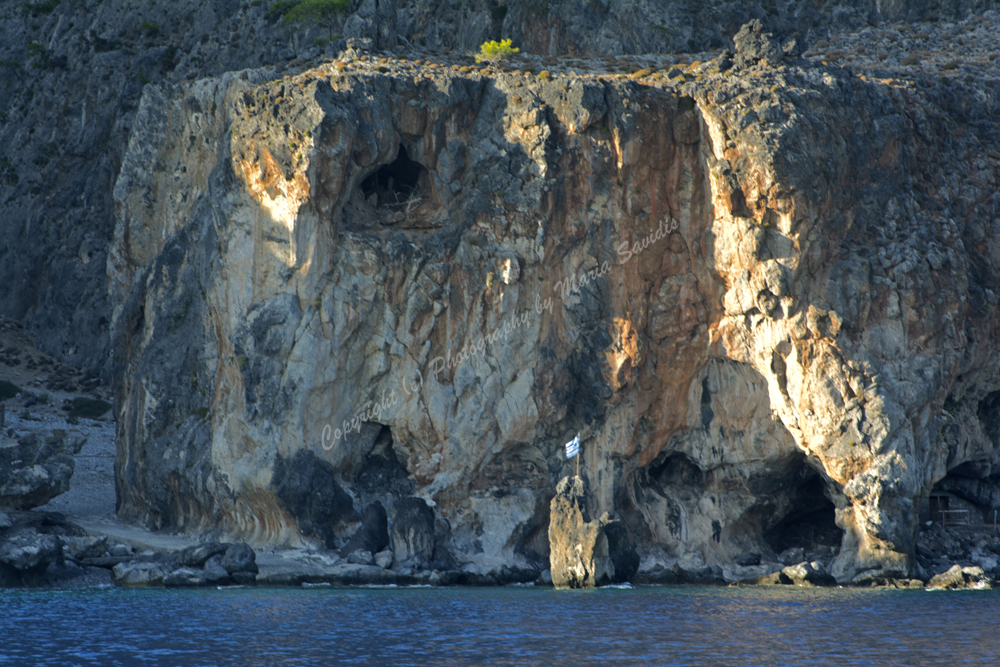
185	577
960	577
361	557
754	46
214	572
808	574
87	547
121	551
748	574
952	578
26	550
412	532
36	468
578	547
136	574
197	555
384	559
240	557
778	578
373	535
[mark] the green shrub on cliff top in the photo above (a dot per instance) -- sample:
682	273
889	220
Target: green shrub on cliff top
323	13
493	51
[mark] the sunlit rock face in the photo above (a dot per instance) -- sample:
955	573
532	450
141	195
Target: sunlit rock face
751	294
578	548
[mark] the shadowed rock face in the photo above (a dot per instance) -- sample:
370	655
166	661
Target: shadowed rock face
747	292
373	535
307	489
412	532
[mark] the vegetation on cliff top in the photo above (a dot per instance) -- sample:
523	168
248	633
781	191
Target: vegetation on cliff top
494	51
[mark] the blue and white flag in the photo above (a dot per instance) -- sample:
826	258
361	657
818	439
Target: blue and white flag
573	447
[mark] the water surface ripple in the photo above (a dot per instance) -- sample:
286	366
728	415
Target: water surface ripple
748	627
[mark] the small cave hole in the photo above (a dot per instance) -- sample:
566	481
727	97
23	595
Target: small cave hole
393	184
676	470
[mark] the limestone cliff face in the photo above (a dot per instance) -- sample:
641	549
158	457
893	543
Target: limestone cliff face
72	73
765	297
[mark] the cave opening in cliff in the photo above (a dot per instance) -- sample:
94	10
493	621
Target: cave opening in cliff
384	468
395	183
964	497
812	522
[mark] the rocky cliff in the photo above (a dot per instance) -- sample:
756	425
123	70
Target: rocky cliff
72	73
762	288
385	281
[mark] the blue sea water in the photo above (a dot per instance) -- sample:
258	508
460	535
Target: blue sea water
499	626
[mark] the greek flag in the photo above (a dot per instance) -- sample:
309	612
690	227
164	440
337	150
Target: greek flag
573	447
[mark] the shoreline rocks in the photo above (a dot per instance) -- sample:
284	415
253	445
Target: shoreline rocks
37	467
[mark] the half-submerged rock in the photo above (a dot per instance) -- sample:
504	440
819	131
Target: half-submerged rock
578	556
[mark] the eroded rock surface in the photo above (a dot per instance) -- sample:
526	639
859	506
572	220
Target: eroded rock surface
763	294
579	556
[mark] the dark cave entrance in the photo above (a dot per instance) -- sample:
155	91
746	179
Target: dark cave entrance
966	496
395	183
811	523
384	469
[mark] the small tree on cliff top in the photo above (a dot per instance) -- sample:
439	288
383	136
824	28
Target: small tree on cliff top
493	52
318	12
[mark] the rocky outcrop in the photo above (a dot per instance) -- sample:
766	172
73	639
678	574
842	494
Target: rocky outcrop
36	467
207	564
961	577
767	317
33	549
578	547
412	532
